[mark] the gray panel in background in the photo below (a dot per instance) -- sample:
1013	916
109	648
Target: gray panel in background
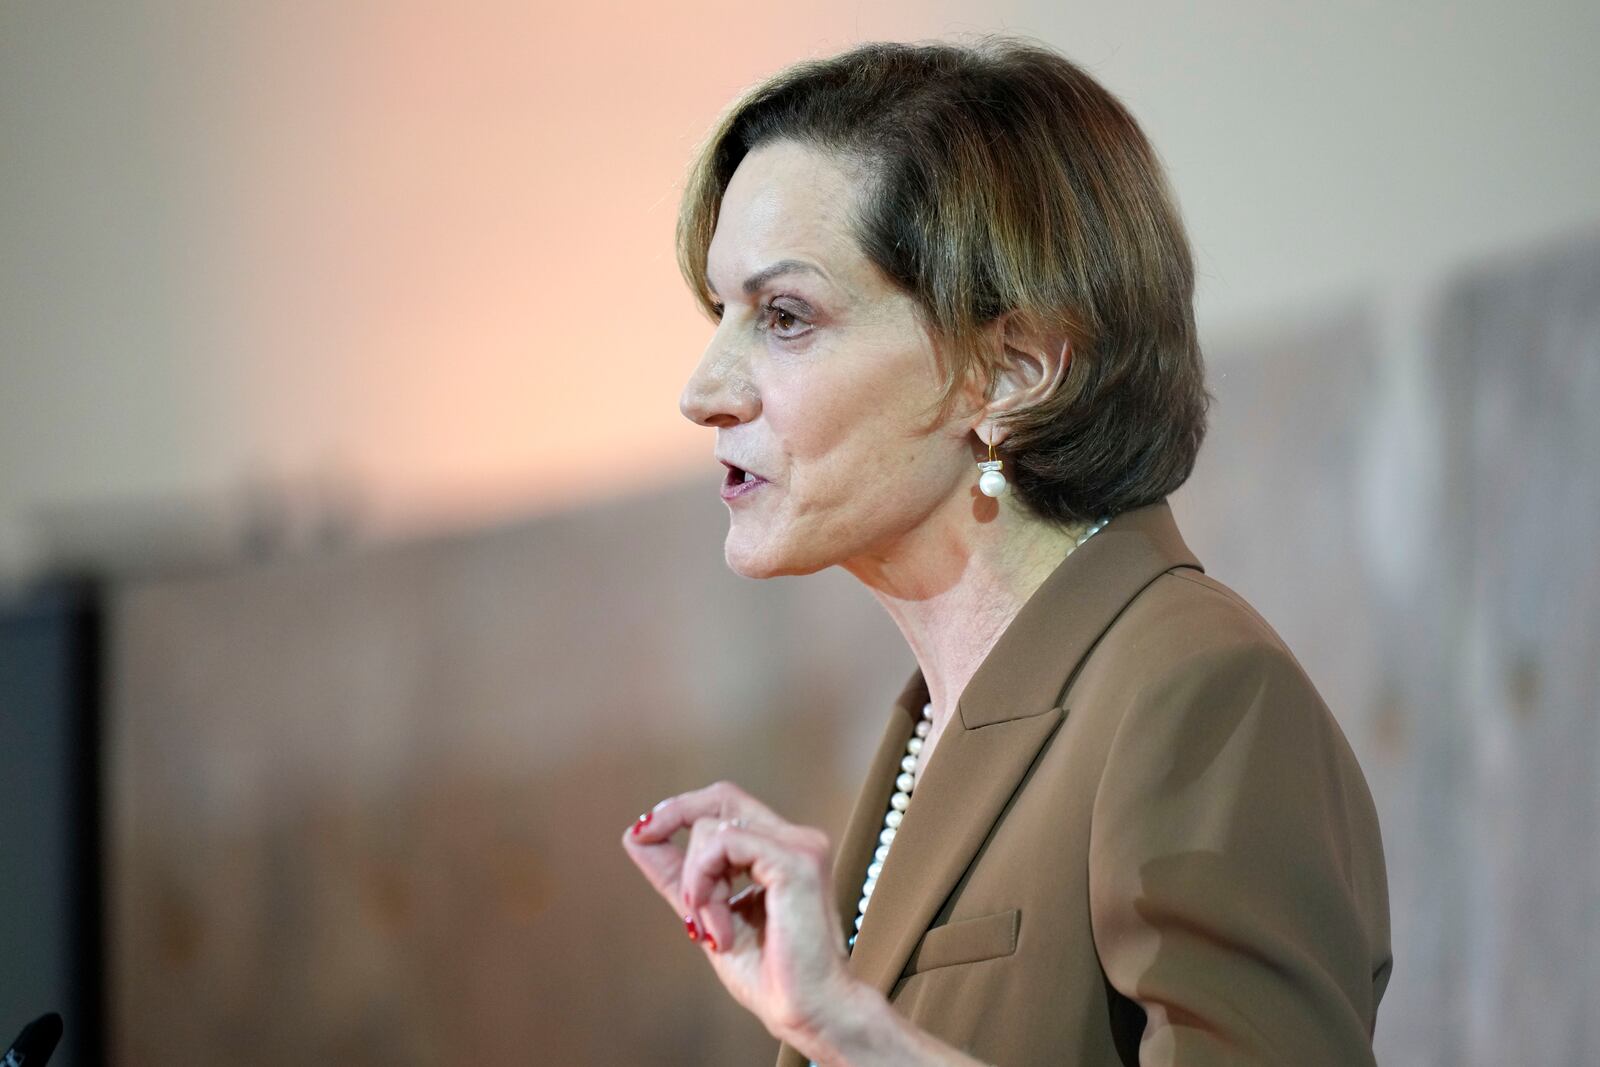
1520	345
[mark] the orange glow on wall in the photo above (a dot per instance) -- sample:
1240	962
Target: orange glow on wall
443	243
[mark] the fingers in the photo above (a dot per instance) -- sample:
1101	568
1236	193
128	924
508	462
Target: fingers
730	834
720	800
661	863
648	840
774	855
707	879
716	919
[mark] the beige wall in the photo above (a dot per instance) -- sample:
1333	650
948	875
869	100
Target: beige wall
412	262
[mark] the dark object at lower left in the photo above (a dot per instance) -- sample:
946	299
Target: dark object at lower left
35	1044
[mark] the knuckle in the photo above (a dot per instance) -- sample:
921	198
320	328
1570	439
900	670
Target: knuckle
696	797
791	1017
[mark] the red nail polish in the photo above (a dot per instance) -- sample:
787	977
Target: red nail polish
711	941
691	928
644	820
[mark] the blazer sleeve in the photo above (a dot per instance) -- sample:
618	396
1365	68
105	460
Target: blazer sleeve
1237	890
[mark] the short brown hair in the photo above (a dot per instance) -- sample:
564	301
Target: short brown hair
1005	179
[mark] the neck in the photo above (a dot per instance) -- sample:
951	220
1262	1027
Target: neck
955	585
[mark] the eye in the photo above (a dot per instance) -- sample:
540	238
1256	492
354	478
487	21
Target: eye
783	322
716	311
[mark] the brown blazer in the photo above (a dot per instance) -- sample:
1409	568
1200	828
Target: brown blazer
1142	839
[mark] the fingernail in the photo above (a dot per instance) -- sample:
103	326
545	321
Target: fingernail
711	941
691	928
643	821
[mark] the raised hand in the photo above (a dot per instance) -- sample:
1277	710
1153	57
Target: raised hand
777	944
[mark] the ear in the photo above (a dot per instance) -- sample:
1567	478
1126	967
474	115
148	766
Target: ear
1032	365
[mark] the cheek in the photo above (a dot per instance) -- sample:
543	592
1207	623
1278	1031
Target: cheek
841	429
876	462
817	421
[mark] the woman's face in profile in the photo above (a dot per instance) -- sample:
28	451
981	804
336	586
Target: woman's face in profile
818	380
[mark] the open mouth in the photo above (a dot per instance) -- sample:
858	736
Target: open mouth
738	481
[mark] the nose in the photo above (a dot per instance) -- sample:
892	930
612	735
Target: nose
720	392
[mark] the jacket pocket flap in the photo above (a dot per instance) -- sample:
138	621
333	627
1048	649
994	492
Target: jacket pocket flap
966	941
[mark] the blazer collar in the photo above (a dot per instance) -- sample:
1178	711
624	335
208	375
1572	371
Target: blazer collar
1027	669
1007	712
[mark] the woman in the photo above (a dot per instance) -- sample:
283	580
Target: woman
1111	821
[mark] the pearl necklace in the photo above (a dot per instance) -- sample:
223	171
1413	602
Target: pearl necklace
906	781
903	785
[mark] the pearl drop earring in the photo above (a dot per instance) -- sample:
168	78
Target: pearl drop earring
991	482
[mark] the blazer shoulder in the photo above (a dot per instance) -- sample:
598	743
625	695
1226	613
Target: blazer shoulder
1187	617
1238	887
1190	660
1191	669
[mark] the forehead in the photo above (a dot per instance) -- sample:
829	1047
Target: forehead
787	201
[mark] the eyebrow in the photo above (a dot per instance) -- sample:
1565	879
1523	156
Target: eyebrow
761	277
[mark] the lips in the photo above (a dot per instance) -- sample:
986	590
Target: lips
736	473
740	481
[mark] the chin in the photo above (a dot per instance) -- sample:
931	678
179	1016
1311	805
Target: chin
766	562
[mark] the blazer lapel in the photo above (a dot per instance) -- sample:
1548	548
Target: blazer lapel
1007	712
966	785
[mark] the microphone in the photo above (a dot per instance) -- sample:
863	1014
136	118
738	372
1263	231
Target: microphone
34	1045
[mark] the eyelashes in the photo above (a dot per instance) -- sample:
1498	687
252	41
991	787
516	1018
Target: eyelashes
782	322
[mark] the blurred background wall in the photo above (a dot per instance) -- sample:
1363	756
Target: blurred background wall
340	349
